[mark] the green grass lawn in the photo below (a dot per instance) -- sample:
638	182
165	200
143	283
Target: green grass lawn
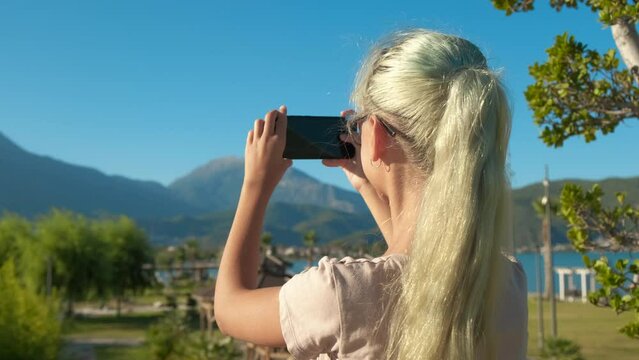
122	352
593	328
127	326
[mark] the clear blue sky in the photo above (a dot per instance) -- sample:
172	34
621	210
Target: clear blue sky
152	89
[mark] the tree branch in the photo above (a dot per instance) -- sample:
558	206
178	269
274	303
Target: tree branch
627	40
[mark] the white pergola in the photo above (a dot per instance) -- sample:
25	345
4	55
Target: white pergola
570	273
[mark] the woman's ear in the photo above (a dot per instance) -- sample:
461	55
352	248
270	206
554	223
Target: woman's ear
379	138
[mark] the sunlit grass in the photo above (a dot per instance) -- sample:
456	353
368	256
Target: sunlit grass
127	326
593	328
122	352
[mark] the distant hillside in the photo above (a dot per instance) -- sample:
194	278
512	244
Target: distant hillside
32	184
286	222
527	225
203	202
216	186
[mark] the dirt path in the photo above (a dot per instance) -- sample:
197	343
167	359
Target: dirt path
83	349
77	351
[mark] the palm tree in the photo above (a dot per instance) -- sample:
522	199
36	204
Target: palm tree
266	241
309	241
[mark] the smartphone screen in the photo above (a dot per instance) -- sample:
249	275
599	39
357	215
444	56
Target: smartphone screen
316	137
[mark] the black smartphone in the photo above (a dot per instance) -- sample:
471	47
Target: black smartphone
316	137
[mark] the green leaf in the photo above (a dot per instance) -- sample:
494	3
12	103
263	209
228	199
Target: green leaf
621	197
621	264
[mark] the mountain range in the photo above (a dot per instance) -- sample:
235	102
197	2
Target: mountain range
31	184
216	186
202	203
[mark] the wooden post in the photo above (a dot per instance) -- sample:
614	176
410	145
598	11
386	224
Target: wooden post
548	258
540	302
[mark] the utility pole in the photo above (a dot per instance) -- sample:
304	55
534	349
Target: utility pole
548	261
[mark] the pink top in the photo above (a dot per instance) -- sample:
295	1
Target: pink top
335	310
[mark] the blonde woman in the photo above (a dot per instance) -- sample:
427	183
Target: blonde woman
431	130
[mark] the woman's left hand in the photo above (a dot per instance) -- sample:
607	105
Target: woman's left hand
264	165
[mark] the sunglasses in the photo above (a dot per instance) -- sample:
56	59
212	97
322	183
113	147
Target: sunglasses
355	123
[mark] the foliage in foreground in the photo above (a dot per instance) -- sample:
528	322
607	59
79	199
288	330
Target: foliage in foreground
580	92
592	227
85	258
29	327
170	339
561	349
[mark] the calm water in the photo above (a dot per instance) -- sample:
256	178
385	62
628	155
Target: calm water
527	260
561	259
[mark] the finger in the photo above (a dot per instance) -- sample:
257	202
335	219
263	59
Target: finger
249	137
288	163
269	122
329	162
346	113
333	162
258	129
282	121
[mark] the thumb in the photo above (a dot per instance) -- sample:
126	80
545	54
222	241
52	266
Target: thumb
288	163
334	162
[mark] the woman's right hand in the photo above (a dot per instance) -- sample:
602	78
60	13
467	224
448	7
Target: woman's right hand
352	167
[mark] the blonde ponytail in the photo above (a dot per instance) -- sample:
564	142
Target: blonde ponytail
436	90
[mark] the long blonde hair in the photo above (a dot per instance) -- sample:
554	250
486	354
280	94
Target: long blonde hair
454	122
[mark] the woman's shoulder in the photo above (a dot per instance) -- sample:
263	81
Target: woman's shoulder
352	261
361	274
367	264
516	271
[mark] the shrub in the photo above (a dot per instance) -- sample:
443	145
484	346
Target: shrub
215	347
561	349
170	339
166	338
29	326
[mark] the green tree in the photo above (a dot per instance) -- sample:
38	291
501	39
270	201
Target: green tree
80	267
128	249
29	328
16	234
164	257
266	242
579	92
192	249
592	226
